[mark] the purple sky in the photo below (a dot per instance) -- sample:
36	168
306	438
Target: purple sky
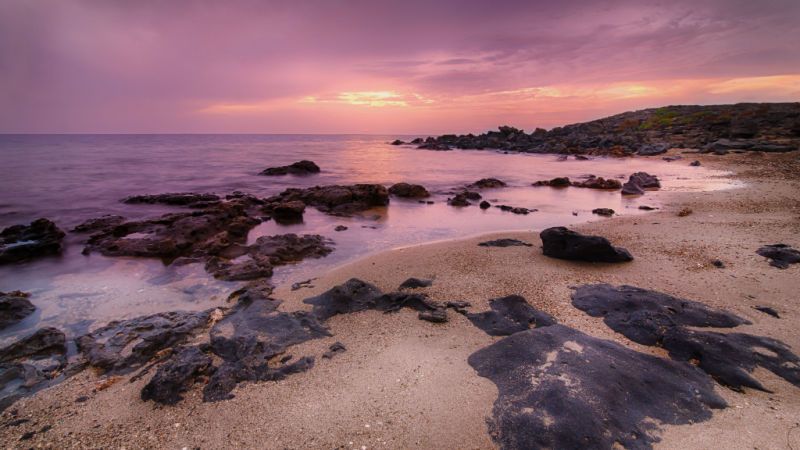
381	67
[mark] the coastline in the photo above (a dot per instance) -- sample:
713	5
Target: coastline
409	380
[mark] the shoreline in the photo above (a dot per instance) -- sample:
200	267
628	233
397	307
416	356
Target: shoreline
409	380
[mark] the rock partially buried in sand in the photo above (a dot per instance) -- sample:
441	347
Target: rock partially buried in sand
304	167
562	243
605	212
505	242
334	349
14	306
509	315
415	283
780	255
768	310
560	388
22	242
405	190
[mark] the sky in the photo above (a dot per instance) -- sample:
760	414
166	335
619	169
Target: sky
372	66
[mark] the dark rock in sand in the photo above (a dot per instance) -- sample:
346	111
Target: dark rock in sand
695	163
122	346
606	212
340	228
251	336
718	264
560	388
505	242
486	183
672	158
14	306
647	208
630	188
334	349
303	167
559	242
459	200
767	310
509	315
415	283
44	342
485	205
21	242
645	180
99	224
642	315
555	182
289	212
594	182
28	364
780	255
652	149
406	190
190	199
438	315
334	199
176	375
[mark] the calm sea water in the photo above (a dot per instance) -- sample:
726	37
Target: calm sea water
70	178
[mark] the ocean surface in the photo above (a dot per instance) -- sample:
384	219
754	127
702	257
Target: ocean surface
71	178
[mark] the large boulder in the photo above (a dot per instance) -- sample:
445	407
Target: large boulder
562	243
21	242
14	306
304	167
407	190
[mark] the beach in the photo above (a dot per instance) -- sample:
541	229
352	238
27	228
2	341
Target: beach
406	383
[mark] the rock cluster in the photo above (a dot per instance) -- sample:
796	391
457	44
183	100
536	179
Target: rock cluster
22	242
303	167
333	199
406	190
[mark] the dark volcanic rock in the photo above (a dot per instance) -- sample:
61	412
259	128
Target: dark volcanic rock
485	205
780	255
122	346
509	315
768	310
20	242
334	199
303	167
505	242
176	375
406	190
560	388
642	315
486	183
653	318
190	199
14	306
559	242
250	337
415	283
555	182
289	212
606	212
28	364
99	224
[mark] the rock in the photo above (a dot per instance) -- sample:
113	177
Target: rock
718	264
406	190
652	149
684	212
672	158
515	209
471	195
334	349
416	141
250	336
30	363
303	284
509	315
505	242
630	188
190	199
485	205
397	142
559	242
415	283
176	375
695	163
582	158
768	310
99	223
652	318
647	208
14	306
780	255
605	212
560	388
340	228
773	148
438	315
289	212
645	180
122	346
303	167
594	182
555	182
487	183
459	200
334	199
20	242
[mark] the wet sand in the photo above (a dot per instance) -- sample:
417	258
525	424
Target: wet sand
405	383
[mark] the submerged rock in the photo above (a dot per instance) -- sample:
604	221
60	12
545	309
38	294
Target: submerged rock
14	306
560	388
303	167
459	200
509	315
406	190
562	243
505	242
780	255
335	199
22	242
190	199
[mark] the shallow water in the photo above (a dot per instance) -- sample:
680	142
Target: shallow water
71	178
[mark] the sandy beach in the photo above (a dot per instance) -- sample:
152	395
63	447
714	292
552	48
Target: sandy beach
405	383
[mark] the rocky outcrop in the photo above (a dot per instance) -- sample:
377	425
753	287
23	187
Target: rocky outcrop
22	242
406	190
303	167
559	242
591	182
780	255
334	199
189	199
14	306
176	375
509	315
487	183
288	212
99	224
28	364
